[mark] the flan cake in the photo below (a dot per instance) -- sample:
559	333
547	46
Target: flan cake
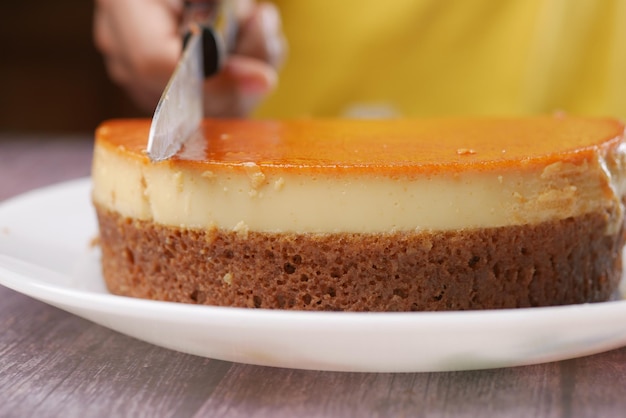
366	215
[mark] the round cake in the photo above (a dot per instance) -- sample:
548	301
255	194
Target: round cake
366	215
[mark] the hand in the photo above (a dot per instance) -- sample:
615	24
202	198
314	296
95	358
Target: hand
141	43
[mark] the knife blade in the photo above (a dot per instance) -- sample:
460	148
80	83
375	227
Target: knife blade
178	115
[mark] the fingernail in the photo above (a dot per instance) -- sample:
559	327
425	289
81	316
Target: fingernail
270	18
271	24
253	80
259	84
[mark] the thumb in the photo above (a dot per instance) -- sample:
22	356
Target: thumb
236	90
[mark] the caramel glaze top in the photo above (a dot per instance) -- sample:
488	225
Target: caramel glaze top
390	146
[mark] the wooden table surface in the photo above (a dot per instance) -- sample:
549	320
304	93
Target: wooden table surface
55	364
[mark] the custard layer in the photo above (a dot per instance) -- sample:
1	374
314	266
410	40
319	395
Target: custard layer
223	180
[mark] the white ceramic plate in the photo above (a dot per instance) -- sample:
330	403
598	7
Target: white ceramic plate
45	253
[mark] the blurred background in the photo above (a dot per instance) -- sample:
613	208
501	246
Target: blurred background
52	79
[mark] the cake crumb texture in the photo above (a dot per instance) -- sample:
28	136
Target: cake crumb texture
559	262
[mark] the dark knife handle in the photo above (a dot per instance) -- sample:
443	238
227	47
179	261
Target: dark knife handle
217	21
212	56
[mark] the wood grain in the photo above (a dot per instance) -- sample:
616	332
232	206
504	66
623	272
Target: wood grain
55	364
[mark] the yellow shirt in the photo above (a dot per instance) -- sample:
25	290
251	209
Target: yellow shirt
452	57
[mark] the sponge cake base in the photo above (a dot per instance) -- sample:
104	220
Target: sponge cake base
557	262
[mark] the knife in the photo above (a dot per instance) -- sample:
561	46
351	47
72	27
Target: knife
210	35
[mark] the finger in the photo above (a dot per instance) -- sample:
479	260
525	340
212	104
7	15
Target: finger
261	36
251	75
141	43
244	9
239	88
